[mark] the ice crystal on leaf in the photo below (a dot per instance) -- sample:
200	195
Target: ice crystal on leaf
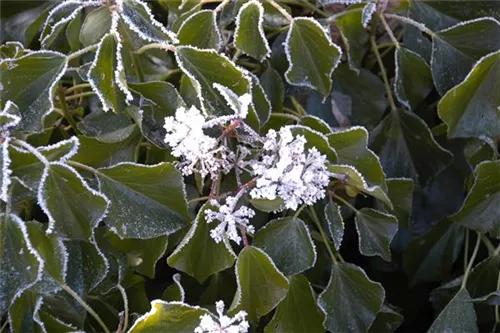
289	171
230	218
225	324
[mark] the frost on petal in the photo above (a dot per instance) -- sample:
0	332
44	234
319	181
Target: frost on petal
223	324
198	151
288	171
230	219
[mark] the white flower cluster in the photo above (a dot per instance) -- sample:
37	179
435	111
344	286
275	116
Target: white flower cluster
200	152
225	324
286	170
186	137
230	218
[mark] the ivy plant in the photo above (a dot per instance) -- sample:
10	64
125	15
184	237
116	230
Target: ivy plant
250	166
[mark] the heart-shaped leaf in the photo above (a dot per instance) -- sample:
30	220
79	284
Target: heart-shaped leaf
456	49
406	147
472	108
288	242
21	265
351	146
147	201
480	209
198	255
106	75
298	312
335	223
42	70
458	316
73	208
169	317
413	80
349	288
431	256
375	231
311	55
200	30
260	285
199	64
249	36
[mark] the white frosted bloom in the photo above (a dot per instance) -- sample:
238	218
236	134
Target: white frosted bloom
230	218
186	137
225	324
288	171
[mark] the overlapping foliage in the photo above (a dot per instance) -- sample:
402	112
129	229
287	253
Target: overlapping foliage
107	224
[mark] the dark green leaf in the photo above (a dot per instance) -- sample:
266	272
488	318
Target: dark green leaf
139	18
199	66
288	242
387	320
260	285
355	37
161	100
479	150
102	75
52	34
375	231
53	252
200	30
311	55
406	147
400	193
358	98
172	317
95	153
42	70
148	201
480	210
431	256
72	207
350	288
316	124
261	102
351	146
471	109
249	36
354	182
21	264
142	254
175	291
456	49
97	23
86	267
458	316
21	313
298	312
274	88
198	254
335	223
413	78
268	205
442	14
29	169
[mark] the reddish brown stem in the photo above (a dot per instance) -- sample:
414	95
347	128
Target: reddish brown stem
244	236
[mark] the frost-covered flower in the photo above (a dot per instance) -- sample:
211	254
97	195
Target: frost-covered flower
288	171
225	324
186	137
230	218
